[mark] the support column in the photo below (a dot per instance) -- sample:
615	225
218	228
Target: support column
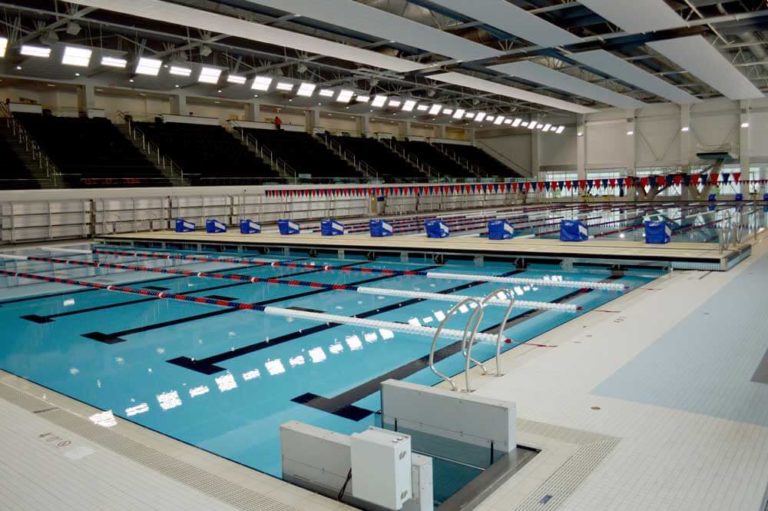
86	97
179	105
405	129
685	146
535	152
312	120
581	147
744	132
469	135
253	111
364	125
631	147
440	131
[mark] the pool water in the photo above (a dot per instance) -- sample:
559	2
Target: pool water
225	379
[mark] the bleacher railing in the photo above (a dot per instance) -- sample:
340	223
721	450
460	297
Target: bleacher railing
424	168
350	157
152	150
52	172
464	162
282	167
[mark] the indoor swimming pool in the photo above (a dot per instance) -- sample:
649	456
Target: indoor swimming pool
170	351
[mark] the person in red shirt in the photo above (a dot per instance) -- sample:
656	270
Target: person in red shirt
278	123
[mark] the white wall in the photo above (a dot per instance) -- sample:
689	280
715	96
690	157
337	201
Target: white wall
657	141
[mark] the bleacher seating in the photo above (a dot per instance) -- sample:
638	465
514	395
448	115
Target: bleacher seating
209	155
389	165
305	154
441	164
14	174
91	152
477	157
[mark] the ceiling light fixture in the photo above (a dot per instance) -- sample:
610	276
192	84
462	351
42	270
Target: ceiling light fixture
409	105
180	71
517	122
209	75
114	62
239	80
435	109
345	95
480	116
379	101
261	83
147	66
327	93
35	51
74	56
306	89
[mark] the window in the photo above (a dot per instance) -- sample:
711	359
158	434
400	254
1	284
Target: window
555	192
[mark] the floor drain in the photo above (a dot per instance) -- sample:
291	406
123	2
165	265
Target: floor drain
595	408
545	499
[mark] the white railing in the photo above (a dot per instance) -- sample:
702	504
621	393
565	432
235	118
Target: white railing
413	160
268	156
52	172
152	150
348	156
463	162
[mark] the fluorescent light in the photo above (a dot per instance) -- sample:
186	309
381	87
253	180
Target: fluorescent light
547	126
507	121
480	116
3	45
409	105
345	95
435	109
490	118
580	134
745	125
306	89
35	51
447	111
379	101
540	126
524	124
362	99
516	122
113	62
685	129
180	71
499	119
459	113
147	66
327	93
284	86
240	80
469	115
560	129
261	83
394	103
422	108
209	75
630	132
532	125
74	56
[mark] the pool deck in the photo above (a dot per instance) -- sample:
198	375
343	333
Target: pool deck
683	255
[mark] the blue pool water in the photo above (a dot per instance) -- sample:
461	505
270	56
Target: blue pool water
147	359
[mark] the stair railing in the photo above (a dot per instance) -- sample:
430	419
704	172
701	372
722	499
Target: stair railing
151	149
30	145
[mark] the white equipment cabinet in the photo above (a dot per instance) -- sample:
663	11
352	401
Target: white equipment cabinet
381	467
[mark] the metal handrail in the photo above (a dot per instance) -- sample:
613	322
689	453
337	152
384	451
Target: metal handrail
413	160
510	295
349	156
466	341
151	149
265	153
30	145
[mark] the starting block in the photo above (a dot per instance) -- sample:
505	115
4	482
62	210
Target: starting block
330	227
500	230
658	232
213	226
380	228
248	226
288	227
436	228
184	226
573	230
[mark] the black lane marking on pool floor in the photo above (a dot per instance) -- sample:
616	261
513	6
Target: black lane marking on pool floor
49	318
208	365
341	404
116	337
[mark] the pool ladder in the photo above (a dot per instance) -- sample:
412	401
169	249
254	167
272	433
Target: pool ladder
476	307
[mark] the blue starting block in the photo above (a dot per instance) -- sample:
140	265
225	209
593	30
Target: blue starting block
184	226
573	230
657	232
765	197
739	197
213	226
288	227
436	228
248	226
380	228
330	227
712	197
500	230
